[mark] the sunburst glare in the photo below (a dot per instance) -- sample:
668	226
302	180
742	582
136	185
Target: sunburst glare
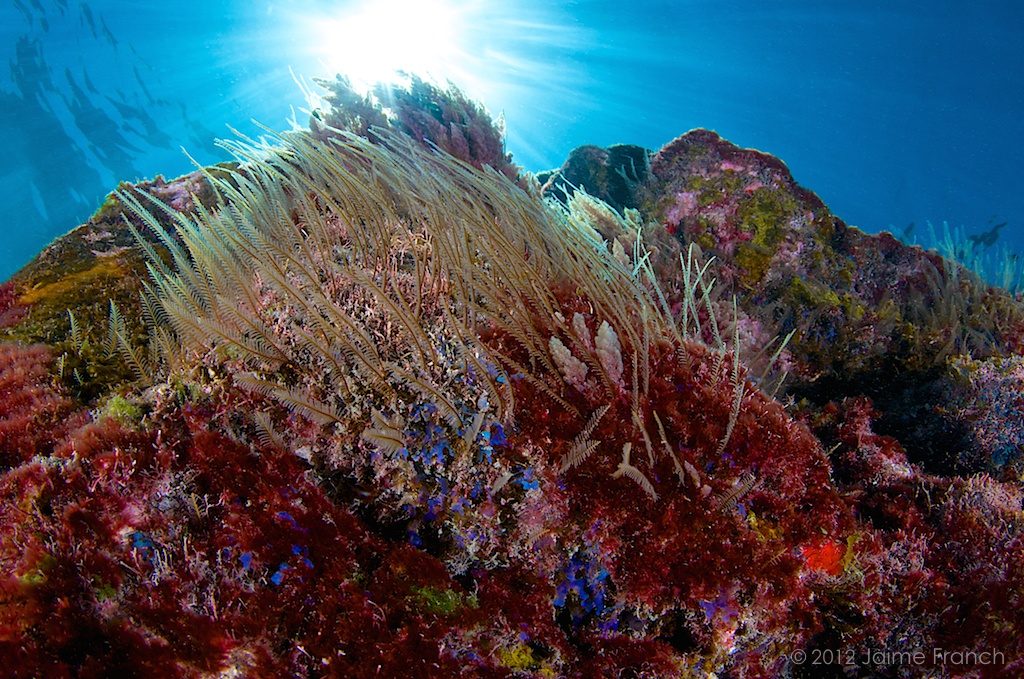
511	57
375	41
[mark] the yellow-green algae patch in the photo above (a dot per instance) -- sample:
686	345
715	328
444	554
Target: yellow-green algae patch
764	214
104	274
443	602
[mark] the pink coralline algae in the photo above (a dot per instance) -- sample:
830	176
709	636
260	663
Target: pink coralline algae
560	487
992	399
179	194
684	206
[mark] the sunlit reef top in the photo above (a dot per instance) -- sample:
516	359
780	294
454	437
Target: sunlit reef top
896	117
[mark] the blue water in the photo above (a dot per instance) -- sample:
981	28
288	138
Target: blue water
894	112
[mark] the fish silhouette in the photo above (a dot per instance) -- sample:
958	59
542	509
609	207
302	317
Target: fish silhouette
987	238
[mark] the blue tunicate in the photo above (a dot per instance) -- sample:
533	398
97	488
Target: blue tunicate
141	541
585	577
278	577
720	605
289	518
434	504
561	591
527	481
437	452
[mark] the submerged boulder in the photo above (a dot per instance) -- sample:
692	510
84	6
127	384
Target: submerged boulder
612	174
869	315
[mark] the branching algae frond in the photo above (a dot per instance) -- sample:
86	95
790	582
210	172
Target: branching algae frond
350	277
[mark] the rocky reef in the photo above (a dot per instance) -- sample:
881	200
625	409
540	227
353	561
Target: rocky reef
378	403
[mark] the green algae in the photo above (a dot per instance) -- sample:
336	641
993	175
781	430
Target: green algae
39	573
710	190
443	602
764	214
521	657
127	413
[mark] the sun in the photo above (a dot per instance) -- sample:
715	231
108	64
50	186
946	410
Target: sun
515	58
378	40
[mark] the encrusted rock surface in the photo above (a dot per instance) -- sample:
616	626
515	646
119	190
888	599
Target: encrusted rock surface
682	518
